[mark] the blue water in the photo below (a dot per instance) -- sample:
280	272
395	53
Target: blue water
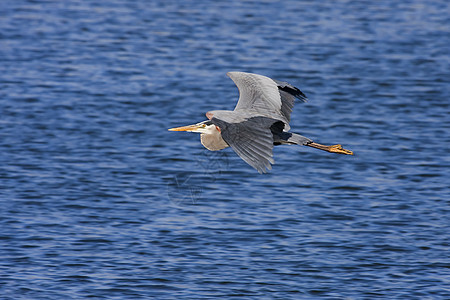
98	200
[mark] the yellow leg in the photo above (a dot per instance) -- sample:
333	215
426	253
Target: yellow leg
333	148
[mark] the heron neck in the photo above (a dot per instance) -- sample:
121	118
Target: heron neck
213	141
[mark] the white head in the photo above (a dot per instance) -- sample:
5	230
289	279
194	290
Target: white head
210	138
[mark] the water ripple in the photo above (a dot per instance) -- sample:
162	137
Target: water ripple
99	200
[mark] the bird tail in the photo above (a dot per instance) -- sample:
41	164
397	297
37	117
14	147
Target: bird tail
298	139
284	138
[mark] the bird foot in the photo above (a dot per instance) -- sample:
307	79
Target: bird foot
338	149
333	148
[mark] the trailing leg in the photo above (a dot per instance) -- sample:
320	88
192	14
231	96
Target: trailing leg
333	148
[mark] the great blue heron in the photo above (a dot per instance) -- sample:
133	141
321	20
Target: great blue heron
259	121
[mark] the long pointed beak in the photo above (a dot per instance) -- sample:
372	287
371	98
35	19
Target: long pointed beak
189	128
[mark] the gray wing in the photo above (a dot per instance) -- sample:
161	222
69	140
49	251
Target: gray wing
251	139
288	93
256	92
271	98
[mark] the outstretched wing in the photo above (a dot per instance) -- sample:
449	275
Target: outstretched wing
256	92
288	93
266	96
251	139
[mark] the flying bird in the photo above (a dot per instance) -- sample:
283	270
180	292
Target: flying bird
259	121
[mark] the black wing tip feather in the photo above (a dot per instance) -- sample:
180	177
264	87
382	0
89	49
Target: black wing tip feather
292	90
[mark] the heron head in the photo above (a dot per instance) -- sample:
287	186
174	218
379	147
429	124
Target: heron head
203	127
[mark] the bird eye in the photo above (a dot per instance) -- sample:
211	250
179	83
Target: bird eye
204	125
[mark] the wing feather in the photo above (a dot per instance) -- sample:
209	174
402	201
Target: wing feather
251	139
258	93
288	95
266	96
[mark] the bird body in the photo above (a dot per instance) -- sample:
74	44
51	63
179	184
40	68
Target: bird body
259	121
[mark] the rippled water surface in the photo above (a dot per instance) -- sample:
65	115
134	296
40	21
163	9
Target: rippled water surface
99	200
